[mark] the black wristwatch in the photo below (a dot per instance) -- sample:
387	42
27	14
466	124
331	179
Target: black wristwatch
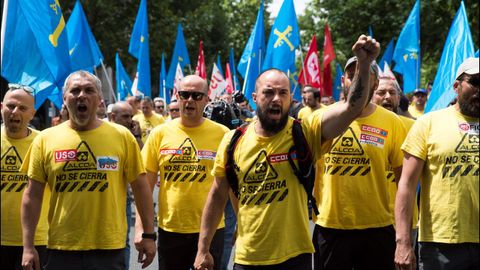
152	236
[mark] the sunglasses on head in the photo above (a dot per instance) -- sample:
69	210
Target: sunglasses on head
26	88
185	95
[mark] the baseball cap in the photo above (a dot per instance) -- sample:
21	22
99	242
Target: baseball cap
420	90
352	60
469	66
110	108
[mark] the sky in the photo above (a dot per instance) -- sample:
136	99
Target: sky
276	4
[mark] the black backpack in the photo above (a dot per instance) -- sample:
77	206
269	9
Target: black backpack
305	171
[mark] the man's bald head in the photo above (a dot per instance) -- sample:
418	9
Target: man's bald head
271	74
17	110
194	82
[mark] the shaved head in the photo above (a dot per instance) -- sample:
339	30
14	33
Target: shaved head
270	73
194	81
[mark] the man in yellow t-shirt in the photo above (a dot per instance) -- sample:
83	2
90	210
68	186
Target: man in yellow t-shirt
17	111
355	225
419	99
387	95
87	164
311	100
148	119
441	150
182	151
273	224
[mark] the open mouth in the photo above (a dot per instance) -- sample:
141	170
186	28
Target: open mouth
82	108
275	111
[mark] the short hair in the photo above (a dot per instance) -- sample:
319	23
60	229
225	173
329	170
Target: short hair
84	73
395	83
149	100
272	69
119	105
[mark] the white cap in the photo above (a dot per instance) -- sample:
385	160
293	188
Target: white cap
469	66
110	108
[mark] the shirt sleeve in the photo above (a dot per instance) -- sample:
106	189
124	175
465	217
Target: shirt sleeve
396	155
150	151
34	161
133	165
221	157
416	141
312	128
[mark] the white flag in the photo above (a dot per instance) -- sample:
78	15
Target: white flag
177	80
217	83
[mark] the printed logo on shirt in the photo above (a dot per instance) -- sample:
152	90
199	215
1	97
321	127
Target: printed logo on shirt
85	159
261	170
347	144
11	161
471	128
107	163
65	155
166	151
188	153
280	157
206	154
468	144
374	130
372	140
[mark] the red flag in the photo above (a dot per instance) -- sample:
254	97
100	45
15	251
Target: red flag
201	70
328	56
228	78
310	73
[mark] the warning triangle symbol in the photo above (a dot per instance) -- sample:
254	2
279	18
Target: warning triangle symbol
261	170
85	159
11	161
347	144
468	144
189	153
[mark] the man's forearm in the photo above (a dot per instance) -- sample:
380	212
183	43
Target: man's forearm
30	211
212	213
359	89
144	203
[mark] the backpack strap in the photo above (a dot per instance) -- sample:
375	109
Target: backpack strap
231	166
305	171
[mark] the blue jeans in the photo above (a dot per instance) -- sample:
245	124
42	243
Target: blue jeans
230	222
129	224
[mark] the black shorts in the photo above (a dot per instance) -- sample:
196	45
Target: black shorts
97	259
366	249
300	262
177	251
11	256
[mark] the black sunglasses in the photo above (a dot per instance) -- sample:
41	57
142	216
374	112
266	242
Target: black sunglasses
185	95
174	110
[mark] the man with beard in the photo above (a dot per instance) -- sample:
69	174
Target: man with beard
87	164
17	112
311	100
441	150
273	225
355	225
182	152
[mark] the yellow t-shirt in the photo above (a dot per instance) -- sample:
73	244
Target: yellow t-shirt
414	112
392	186
352	186
148	123
13	186
272	220
306	111
87	172
448	142
183	157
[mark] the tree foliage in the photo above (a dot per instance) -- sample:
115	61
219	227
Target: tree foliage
350	18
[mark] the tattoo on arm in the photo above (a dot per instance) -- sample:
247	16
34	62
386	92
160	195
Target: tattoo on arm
355	91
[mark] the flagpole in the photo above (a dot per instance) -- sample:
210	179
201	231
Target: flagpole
303	66
4	26
108	81
246	75
164	90
190	68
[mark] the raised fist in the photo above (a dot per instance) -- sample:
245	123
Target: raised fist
366	49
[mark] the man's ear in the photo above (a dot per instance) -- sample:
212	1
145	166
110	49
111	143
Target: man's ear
457	85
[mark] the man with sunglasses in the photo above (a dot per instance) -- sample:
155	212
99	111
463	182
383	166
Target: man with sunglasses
174	109
159	106
87	164
441	150
272	218
17	112
183	151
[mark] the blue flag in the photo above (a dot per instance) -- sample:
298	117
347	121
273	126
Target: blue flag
388	54
251	62
370	31
337	84
180	56
124	83
458	47
219	65
140	50
163	77
284	38
407	51
83	48
476	54
35	49
233	70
